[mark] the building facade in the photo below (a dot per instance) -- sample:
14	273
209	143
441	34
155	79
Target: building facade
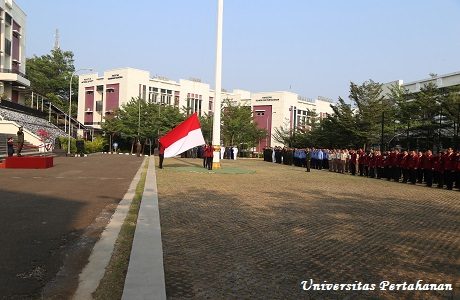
100	96
13	81
441	81
285	109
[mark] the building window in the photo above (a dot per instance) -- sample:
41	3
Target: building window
7	46
98	106
8	19
194	104
153	95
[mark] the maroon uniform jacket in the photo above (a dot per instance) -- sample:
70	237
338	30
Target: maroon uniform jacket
399	159
353	157
427	162
209	151
449	162
371	161
405	161
413	162
366	159
393	159
361	157
386	160
438	163
379	161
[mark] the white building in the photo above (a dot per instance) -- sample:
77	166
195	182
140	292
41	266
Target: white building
100	96
12	51
446	80
284	109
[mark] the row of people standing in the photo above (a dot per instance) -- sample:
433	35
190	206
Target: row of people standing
442	169
225	152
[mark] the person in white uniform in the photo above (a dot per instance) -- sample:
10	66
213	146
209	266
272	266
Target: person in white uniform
222	151
235	152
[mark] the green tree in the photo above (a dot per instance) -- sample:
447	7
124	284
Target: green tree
283	135
404	108
238	126
138	119
427	109
341	129
427	118
206	126
49	75
451	107
370	104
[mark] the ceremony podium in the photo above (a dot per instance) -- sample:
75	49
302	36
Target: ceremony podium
28	162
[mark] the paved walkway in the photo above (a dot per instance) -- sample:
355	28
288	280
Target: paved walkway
145	277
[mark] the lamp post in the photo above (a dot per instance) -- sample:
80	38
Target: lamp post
70	103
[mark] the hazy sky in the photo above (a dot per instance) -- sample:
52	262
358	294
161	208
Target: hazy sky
311	47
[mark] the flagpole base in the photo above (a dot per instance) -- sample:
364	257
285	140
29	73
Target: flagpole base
216	158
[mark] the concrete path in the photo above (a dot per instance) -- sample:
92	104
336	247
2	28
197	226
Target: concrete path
145	278
102	252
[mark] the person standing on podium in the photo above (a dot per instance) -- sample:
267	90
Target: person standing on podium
20	140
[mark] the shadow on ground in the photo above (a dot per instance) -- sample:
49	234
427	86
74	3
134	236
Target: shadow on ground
37	232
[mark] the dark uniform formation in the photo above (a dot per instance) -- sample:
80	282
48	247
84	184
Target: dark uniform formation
441	169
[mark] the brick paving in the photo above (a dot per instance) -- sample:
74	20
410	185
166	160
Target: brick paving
258	235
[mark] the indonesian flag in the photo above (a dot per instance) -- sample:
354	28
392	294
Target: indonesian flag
183	137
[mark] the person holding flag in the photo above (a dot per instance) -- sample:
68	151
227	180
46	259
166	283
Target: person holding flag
161	153
204	154
209	152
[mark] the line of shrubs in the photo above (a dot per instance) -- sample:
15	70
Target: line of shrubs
96	145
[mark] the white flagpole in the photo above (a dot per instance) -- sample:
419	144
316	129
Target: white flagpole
218	88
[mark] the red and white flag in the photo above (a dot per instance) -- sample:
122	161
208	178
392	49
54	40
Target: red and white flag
183	137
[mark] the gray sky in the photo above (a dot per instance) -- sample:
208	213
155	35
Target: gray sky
311	47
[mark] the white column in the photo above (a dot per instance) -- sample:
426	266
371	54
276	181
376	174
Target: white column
218	87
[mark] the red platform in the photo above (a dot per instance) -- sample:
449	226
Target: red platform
28	162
